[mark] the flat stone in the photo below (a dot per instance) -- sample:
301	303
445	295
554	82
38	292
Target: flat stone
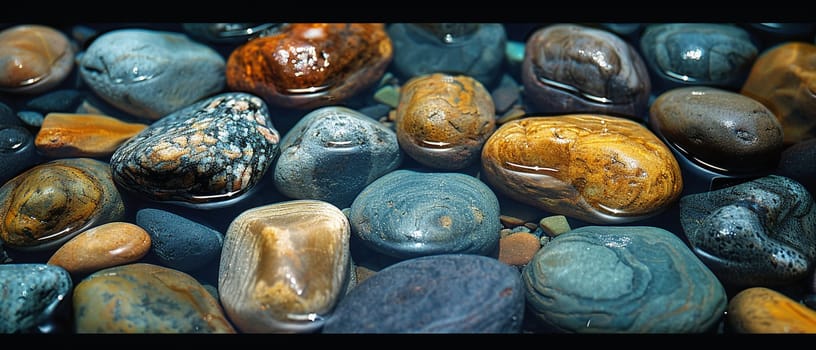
101	247
64	135
555	225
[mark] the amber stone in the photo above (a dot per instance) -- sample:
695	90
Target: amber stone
34	58
53	202
310	65
596	168
103	246
83	135
284	266
443	120
783	78
764	310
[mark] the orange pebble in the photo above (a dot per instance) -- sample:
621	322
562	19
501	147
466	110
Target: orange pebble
518	249
83	135
108	245
763	310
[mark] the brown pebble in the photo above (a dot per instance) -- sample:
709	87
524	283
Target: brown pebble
518	249
510	221
34	58
107	245
83	135
763	310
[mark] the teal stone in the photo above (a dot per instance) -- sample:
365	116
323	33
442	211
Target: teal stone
30	294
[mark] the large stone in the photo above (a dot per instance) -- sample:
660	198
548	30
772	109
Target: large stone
764	310
34	58
30	294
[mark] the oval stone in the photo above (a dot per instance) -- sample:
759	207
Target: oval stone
570	68
34	58
209	153
284	266
719	129
407	214
30	293
149	73
446	293
145	298
65	135
332	153
51	203
796	162
758	233
710	54
762	310
178	242
443	120
17	151
310	65
101	247
622	279
596	168
783	78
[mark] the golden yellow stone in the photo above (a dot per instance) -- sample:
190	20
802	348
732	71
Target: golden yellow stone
103	246
83	135
763	310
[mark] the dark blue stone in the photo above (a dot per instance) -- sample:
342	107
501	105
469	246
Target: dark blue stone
7	115
17	151
31	118
178	242
30	294
451	293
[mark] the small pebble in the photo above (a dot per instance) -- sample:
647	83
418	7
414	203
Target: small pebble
100	247
31	118
518	249
555	225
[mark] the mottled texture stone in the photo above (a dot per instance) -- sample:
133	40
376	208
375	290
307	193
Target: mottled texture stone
101	247
332	153
64	135
150	73
30	293
407	214
710	54
472	49
719	129
178	242
145	298
571	68
47	205
758	233
448	293
17	151
443	120
310	65
34	58
284	266
596	168
622	279
762	310
783	78
211	152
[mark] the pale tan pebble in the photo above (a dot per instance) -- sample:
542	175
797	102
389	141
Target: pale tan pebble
554	225
112	244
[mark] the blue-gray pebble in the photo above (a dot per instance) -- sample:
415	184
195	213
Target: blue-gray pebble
712	54
60	101
17	151
332	153
407	213
617	279
178	242
758	233
150	73
448	293
30	293
33	119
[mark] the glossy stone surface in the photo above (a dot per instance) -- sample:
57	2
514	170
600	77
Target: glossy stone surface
596	168
17	151
150	73
64	135
622	279
208	153
710	54
407	214
758	233
760	310
226	32
30	294
448	293
284	266
310	65
332	153
571	68
719	129
796	162
177	242
34	58
101	247
783	78
443	120
50	203
145	298
472	49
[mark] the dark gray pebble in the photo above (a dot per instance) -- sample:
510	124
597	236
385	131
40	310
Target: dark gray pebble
178	242
30	294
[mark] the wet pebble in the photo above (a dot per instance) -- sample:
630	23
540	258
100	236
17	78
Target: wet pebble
332	153
100	247
34	58
762	310
30	294
64	135
622	279
178	242
447	293
17	151
150	73
406	214
145	298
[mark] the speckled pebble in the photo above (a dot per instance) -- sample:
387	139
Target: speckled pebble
448	293
100	247
17	151
30	293
178	242
518	249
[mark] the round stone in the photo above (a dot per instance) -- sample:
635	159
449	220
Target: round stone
100	247
34	58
